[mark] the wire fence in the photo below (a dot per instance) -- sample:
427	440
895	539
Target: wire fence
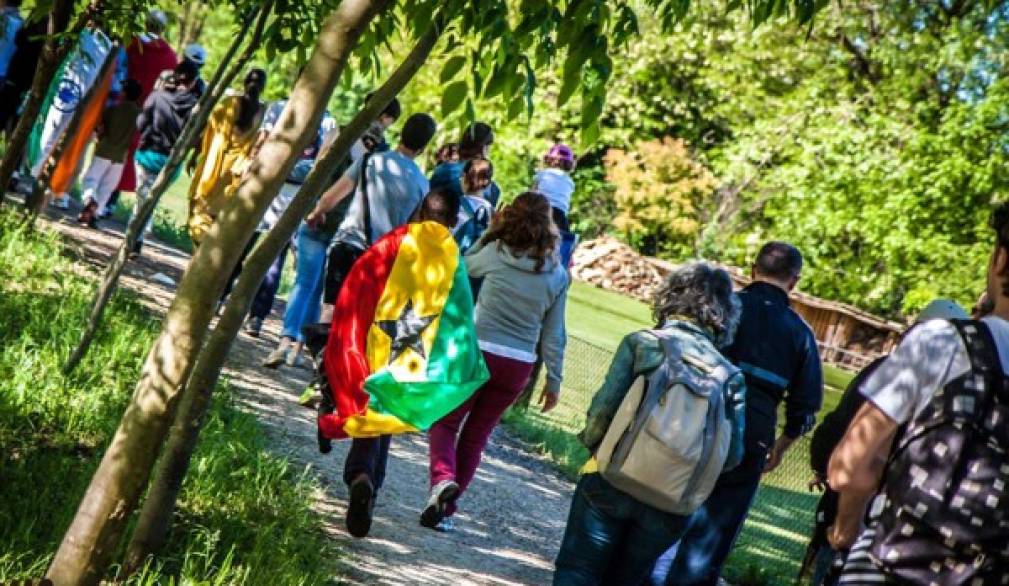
773	540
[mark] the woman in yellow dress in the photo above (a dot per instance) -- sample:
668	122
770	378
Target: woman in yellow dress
225	153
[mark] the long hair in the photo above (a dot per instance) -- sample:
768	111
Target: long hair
701	292
525	227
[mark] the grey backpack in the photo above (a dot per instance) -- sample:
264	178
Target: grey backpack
676	429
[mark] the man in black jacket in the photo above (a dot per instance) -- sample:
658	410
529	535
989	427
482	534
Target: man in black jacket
776	351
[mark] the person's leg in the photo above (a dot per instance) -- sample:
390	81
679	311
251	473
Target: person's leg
713	528
361	459
310	259
381	461
596	526
650	533
107	184
262	303
92	180
441	440
507	380
235	272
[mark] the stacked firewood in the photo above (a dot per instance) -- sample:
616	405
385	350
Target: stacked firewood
611	264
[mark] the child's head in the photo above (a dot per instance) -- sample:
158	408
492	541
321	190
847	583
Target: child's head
476	175
439	206
132	90
560	156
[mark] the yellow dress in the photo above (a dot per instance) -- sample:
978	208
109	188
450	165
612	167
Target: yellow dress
224	156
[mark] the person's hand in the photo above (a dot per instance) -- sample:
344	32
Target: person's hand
818	483
315	219
841	537
777	453
548	399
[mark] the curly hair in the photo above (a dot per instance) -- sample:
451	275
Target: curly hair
701	292
525	227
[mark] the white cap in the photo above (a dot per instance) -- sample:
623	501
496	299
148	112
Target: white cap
195	53
942	309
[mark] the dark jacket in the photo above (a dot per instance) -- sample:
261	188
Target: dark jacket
829	433
165	113
776	350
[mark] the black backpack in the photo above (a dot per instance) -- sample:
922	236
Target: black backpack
944	516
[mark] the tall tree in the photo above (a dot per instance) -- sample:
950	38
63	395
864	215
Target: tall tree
120	479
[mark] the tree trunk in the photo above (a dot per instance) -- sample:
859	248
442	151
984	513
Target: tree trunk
49	60
155	516
93	535
191	132
36	201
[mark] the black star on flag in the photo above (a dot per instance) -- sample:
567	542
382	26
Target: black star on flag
405	332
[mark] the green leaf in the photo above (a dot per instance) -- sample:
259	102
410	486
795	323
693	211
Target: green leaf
452	67
453	97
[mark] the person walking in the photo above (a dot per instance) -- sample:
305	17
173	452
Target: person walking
937	407
262	304
554	181
776	350
521	303
475	212
160	124
475	143
115	135
612	536
224	154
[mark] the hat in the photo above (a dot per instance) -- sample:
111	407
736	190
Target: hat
195	53
942	309
561	152
157	20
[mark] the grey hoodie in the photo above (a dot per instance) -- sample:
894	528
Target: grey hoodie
519	306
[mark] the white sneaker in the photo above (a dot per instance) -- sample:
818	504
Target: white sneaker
442	494
61	203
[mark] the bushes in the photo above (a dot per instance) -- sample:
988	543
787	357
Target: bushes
244	516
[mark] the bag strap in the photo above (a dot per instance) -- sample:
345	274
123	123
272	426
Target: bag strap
362	182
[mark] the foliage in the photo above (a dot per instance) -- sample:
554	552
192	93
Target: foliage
244	515
659	190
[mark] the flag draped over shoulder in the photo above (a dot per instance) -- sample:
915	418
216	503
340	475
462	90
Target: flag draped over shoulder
402	351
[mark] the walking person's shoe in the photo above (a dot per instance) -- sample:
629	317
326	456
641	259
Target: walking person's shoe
442	494
61	203
293	356
276	358
361	506
89	215
254	326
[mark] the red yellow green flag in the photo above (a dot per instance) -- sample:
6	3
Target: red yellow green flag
402	351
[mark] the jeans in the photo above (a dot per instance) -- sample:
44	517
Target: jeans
303	306
455	454
368	456
611	537
699	556
262	303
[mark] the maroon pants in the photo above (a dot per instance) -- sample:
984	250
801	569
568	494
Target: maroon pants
456	446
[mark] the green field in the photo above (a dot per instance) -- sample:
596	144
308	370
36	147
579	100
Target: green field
773	540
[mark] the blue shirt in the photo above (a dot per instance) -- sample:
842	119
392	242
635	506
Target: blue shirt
776	350
10	23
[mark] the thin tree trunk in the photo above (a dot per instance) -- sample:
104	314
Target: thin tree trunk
36	201
49	61
125	470
155	516
191	132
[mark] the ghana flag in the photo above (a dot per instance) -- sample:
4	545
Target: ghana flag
402	350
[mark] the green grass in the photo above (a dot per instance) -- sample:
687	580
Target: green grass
244	515
774	537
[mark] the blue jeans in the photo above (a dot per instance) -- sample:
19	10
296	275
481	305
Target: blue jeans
611	537
303	307
699	556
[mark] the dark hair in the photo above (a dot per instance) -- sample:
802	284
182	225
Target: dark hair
392	109
477	173
1000	224
14	3
186	71
779	260
703	293
447	152
476	136
559	163
132	90
248	106
441	206
525	227
418	130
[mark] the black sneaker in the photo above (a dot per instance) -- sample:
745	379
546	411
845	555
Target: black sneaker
360	507
254	326
442	494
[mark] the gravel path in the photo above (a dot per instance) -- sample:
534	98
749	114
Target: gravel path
510	521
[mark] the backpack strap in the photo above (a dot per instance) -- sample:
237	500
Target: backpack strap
362	182
987	377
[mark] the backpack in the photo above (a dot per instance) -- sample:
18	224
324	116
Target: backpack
469	232
943	515
677	429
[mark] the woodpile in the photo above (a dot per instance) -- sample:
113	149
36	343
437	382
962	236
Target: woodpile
608	263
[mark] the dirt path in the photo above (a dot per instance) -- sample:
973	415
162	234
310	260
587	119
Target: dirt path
510	522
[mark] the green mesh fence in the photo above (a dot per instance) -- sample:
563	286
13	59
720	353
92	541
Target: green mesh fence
773	541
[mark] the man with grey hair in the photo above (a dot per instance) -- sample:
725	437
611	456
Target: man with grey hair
776	350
